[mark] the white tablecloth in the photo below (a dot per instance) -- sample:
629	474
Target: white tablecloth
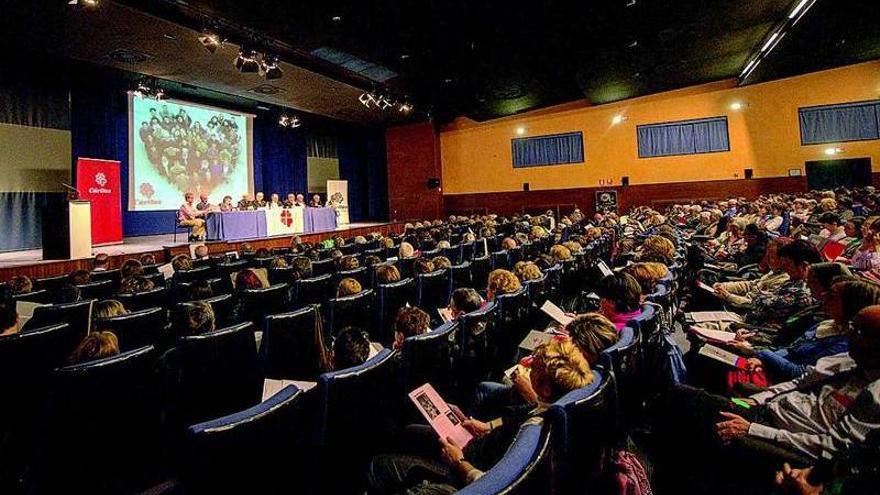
285	221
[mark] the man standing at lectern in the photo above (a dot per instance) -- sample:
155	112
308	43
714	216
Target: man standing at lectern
189	216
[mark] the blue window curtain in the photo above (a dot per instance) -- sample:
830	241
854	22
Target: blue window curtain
840	123
687	137
548	150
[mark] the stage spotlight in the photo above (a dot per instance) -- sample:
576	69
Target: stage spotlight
617	119
270	67
90	4
247	62
736	106
833	151
406	107
520	131
211	41
291	121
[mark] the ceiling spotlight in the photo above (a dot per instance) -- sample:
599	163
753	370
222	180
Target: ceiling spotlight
520	131
617	119
211	40
290	121
736	106
246	62
84	3
271	67
336	18
406	107
148	89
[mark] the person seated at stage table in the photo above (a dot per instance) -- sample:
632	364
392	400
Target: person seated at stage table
274	201
98	345
260	200
316	201
289	201
20	284
203	204
101	263
189	216
226	205
300	200
246	202
9	322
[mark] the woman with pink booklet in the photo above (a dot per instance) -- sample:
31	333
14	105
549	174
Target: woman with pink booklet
440	465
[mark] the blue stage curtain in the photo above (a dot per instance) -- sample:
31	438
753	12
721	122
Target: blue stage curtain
279	159
683	138
362	162
840	123
548	150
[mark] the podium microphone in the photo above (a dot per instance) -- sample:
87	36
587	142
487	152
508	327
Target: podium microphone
72	192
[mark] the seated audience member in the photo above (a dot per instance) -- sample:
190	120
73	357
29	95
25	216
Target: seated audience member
335	255
101	263
147	259
278	262
853	239
348	287
771	310
560	253
573	246
302	267
422	266
199	290
98	345
508	243
386	274
372	259
226	205
338	241
846	298
69	294
464	301
386	243
742	293
201	252
181	262
755	247
79	277
135	285
197	318
9	322
647	274
20	284
657	248
831	227
108	308
526	270
592	333
866	256
409	323
347	263
619	298
262	253
545	261
248	279
557	368
131	268
352	347
444	244
406	251
502	282
441	263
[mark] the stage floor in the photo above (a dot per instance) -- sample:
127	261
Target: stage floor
137	245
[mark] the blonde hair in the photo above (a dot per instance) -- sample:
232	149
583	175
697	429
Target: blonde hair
592	333
526	270
108	308
98	345
560	252
503	282
647	274
560	366
348	287
659	247
573	246
828	204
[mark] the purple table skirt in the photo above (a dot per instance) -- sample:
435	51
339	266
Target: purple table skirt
236	225
320	220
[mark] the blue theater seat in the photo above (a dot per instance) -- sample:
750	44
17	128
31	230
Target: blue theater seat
389	299
291	347
137	329
430	358
316	290
77	314
354	311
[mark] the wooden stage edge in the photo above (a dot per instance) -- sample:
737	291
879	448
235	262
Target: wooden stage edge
43	269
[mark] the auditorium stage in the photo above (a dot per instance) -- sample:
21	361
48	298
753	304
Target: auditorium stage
31	262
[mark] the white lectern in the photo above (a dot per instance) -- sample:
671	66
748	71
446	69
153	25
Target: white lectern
67	230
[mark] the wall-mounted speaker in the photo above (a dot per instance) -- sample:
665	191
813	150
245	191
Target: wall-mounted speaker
526	186
748	173
624	181
433	183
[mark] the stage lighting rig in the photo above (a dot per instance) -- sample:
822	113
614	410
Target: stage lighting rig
270	67
247	62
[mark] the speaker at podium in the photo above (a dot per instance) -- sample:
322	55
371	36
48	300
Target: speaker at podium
67	230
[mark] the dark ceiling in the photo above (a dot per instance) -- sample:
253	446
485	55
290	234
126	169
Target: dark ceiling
487	59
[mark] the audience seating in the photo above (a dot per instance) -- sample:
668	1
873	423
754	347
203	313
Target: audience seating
476	353
153	298
480	268
257	303
500	260
454	253
355	311
50	284
112	275
430	358
137	329
257	450
389	299
432	291
315	290
228	269
359	274
524	469
77	315
102	289
41	296
460	276
223	307
194	275
115	400
510	327
282	275
323	267
291	345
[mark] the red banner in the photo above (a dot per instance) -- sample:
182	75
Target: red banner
98	182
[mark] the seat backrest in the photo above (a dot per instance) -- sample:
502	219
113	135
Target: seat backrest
50	284
323	267
453	253
511	325
389	299
153	298
217	373
355	310
460	276
316	290
77	314
41	296
525	467
282	275
137	329
538	291
378	252
430	358
476	349
262	262
499	260
219	454
224	309
225	271
554	280
113	275
580	423
480	268
102	289
258	303
360	274
432	290
193	275
292	345
405	267
104	412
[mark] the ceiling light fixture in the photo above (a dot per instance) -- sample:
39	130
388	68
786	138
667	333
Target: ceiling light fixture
270	66
336	18
246	62
617	119
833	151
772	41
211	40
289	121
379	100
736	106
520	131
89	4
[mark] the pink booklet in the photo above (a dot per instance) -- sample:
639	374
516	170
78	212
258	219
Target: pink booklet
445	421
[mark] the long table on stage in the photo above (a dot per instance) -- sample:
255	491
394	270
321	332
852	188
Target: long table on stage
238	225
